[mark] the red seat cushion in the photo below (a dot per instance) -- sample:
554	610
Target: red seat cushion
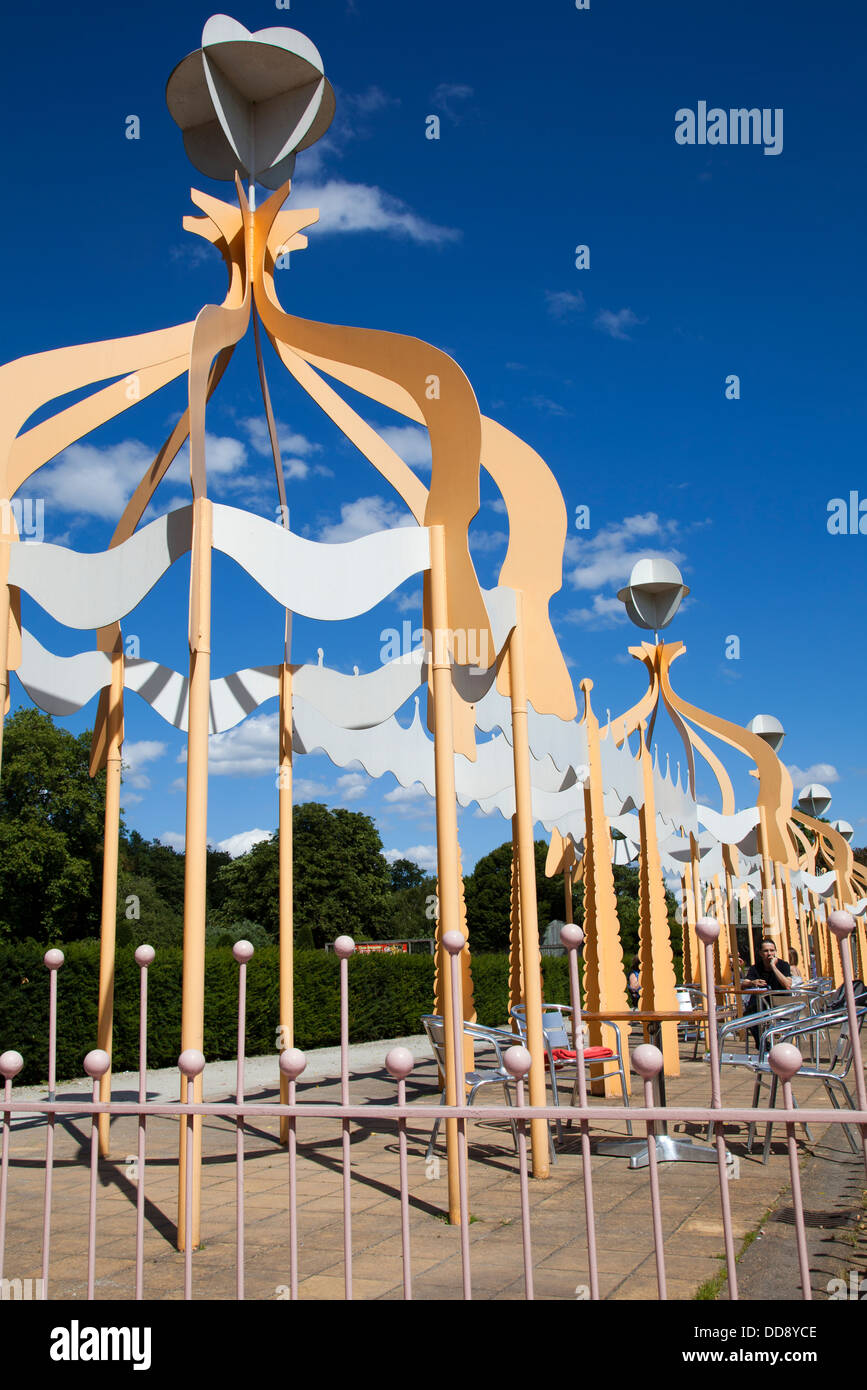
591	1054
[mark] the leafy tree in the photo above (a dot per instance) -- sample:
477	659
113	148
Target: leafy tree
488	896
143	915
51	829
159	863
405	874
412	911
341	880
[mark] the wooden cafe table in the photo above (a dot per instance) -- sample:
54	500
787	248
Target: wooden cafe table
669	1149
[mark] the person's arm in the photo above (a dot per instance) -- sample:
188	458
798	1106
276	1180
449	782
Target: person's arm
782	972
752	981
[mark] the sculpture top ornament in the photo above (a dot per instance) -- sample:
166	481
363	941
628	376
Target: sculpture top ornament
247	102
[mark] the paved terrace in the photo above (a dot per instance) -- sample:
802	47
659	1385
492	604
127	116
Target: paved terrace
690	1198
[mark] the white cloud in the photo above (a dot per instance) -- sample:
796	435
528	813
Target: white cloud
307	789
548	406
359	207
90	481
447	97
423	855
235	845
248	750
295	448
414	792
825	773
365	517
616	324
408	603
607	556
561	304
351	787
135	756
604	612
411	442
484	541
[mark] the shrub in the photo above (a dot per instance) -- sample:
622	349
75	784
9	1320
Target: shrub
387	996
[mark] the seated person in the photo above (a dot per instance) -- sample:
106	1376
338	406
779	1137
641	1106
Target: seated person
795	973
768	973
633	983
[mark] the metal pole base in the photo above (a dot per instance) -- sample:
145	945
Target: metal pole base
668	1150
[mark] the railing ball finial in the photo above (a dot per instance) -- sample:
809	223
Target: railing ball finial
707	930
516	1060
841	924
243	951
344	947
53	959
454	942
399	1063
97	1062
191	1062
144	955
571	936
647	1061
292	1062
10	1064
785	1060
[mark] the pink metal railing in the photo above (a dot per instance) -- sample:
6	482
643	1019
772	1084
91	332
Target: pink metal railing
784	1059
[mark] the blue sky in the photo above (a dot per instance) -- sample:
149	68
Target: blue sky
557	129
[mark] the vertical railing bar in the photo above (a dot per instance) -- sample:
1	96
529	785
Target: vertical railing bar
243	952
344	946
144	957
96	1064
707	930
797	1197
785	1060
191	1064
292	1063
648	1062
572	937
454	943
526	1238
399	1063
10	1065
53	960
842	924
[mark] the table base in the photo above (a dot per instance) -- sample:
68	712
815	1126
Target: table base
668	1150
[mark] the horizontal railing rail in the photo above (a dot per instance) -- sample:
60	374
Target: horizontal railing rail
292	1116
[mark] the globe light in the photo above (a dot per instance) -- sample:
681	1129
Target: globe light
814	800
843	828
247	102
768	728
654	593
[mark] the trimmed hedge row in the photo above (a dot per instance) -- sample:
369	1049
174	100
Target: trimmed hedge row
387	996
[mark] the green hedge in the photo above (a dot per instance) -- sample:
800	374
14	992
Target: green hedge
387	996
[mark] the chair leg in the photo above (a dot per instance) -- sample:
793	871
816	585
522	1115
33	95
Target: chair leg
829	1088
511	1122
556	1097
770	1129
751	1131
435	1132
806	1128
625	1096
